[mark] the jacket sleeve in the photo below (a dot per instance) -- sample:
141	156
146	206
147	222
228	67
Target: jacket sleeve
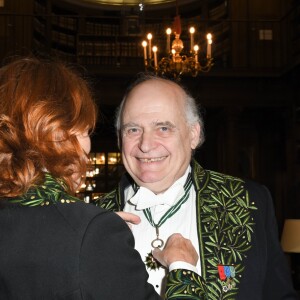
184	284
110	268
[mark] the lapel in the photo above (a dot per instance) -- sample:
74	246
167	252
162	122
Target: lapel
225	227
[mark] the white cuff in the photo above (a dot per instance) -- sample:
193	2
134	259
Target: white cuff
182	265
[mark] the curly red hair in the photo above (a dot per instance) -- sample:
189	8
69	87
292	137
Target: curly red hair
44	105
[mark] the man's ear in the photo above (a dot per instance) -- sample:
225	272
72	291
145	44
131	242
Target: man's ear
195	135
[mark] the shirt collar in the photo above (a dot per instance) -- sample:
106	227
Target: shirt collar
144	198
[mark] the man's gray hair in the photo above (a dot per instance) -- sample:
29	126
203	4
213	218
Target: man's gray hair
192	111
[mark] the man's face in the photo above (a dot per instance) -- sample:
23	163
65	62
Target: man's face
156	140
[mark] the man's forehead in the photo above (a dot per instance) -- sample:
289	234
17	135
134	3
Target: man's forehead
157	85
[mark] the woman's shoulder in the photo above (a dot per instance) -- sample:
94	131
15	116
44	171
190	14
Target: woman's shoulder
79	214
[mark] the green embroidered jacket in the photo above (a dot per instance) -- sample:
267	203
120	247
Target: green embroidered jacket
225	227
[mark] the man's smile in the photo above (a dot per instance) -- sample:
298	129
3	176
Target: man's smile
150	160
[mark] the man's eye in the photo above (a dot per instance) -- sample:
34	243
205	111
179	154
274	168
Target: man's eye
132	131
164	128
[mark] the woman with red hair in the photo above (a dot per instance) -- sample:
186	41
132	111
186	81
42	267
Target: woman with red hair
52	245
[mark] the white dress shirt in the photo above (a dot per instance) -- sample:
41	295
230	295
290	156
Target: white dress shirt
183	221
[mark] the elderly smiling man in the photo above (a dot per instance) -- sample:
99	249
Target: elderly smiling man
229	221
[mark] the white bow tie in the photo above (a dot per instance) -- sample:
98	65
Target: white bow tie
144	198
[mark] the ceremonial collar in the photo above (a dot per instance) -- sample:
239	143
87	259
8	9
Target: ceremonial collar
51	191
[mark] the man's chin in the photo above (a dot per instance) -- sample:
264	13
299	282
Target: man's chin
146	181
154	184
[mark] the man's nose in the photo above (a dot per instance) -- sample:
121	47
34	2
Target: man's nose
147	141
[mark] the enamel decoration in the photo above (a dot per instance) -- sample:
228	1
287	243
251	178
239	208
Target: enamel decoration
227	274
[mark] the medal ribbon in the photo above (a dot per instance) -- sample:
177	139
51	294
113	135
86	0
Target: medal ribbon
151	263
172	210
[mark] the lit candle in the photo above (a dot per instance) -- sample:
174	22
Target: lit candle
144	44
149	37
209	42
168	31
196	49
155	56
192	31
173	54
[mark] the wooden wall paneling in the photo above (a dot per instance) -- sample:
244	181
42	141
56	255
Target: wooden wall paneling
239	33
267	9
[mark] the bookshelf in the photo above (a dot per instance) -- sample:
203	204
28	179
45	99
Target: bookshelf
111	40
104	41
40	26
104	172
218	10
55	30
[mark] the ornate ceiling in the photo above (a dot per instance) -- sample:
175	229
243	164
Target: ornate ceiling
127	2
116	4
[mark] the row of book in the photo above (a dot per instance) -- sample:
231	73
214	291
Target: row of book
101	29
130	49
63	39
64	22
116	62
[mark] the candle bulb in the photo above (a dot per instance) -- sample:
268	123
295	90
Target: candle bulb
149	37
168	31
155	56
173	54
192	31
209	42
144	44
196	49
